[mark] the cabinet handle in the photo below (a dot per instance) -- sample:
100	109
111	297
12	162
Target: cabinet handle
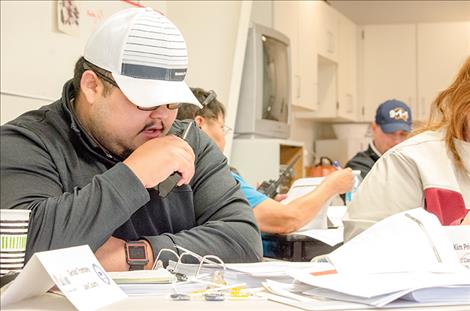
349	103
331	42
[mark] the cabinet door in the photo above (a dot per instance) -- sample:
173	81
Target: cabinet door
326	19
389	66
347	87
294	18
286	20
442	48
307	56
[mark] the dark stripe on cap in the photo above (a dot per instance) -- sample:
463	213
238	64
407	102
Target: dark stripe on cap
157	46
14	221
154	73
156	39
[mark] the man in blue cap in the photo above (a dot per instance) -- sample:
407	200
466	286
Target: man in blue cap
392	126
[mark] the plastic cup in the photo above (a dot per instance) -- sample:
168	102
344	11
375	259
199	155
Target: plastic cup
13	236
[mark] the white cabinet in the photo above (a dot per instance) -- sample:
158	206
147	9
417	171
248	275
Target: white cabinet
411	62
442	48
337	88
347	69
389	66
295	19
326	27
258	159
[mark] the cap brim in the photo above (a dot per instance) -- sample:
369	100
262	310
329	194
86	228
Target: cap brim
393	127
151	93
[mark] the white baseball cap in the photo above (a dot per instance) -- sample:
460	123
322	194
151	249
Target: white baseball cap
146	55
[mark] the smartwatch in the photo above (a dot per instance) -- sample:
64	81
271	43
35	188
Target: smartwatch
136	255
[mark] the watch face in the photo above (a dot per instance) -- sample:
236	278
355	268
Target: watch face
136	252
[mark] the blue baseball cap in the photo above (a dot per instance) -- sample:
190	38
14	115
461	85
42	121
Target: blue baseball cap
393	115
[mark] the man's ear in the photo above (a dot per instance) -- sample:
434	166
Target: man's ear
374	126
90	86
199	121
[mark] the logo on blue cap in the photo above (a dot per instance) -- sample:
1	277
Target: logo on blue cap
393	115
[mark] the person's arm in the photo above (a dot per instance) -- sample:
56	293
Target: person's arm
112	255
274	217
226	226
63	214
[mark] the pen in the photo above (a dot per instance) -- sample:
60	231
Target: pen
166	186
336	165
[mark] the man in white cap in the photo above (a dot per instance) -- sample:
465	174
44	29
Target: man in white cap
105	164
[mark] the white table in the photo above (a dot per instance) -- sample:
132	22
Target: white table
55	302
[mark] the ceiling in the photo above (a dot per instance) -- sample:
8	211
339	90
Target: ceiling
402	11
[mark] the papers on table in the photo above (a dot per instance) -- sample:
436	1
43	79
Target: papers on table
381	289
438	294
404	260
409	241
252	274
272	269
159	276
331	237
335	214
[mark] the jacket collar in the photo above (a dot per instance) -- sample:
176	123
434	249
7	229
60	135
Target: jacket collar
373	152
67	102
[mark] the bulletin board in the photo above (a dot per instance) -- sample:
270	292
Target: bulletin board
37	57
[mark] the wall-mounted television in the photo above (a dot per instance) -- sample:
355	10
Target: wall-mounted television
264	107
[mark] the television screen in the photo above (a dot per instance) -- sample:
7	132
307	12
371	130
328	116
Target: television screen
264	103
275	82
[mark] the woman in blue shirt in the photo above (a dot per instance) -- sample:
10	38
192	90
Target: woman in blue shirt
271	216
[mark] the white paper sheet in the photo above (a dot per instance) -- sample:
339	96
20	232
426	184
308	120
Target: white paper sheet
398	244
328	236
161	276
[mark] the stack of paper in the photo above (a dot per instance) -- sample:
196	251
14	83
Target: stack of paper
159	276
404	260
252	274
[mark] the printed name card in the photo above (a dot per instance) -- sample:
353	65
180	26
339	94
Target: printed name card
460	238
75	271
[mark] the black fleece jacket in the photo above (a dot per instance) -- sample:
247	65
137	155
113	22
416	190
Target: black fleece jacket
79	194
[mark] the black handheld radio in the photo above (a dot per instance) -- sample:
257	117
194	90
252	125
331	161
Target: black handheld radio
269	188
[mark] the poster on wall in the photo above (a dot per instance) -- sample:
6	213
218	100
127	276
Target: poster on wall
68	17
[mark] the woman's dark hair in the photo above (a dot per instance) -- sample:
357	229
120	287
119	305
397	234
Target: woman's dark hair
211	109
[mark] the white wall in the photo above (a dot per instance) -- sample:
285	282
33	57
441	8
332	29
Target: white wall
36	59
262	12
210	29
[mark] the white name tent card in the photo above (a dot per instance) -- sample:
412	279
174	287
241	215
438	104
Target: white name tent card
75	271
459	236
